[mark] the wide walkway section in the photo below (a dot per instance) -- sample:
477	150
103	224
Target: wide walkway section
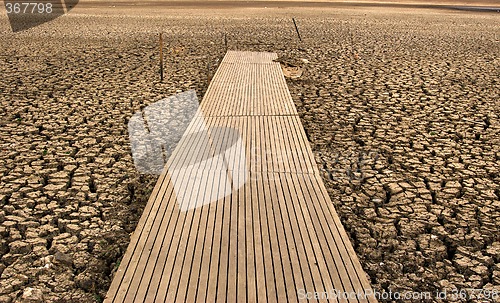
240	213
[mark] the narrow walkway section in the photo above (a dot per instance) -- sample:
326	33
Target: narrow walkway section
240	213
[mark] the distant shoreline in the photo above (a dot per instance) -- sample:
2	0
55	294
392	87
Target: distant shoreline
479	6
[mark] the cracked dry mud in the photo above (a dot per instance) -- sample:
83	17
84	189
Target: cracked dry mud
401	110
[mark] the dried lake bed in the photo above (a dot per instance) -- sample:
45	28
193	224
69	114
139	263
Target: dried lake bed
401	106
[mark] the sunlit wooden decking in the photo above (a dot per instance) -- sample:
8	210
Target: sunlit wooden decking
240	213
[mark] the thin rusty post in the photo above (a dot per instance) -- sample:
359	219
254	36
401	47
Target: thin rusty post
161	56
209	78
296	29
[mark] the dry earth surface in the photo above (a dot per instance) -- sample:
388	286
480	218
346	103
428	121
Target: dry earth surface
400	106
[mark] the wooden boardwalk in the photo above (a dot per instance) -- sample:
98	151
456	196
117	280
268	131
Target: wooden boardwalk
240	213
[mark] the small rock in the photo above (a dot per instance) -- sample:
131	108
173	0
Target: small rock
55	187
63	259
32	295
5	299
84	281
481	270
59	175
14	218
73	228
19	247
494	250
394	188
496	277
292	72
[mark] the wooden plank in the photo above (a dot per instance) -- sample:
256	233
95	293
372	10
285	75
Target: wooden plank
323	280
213	272
235	171
241	287
200	294
304	145
188	286
275	255
178	236
148	259
291	245
260	278
349	255
195	265
265	241
337	274
183	271
168	230
307	258
217	137
222	279
285	284
251	287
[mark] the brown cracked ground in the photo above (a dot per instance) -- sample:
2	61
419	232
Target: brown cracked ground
400	106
